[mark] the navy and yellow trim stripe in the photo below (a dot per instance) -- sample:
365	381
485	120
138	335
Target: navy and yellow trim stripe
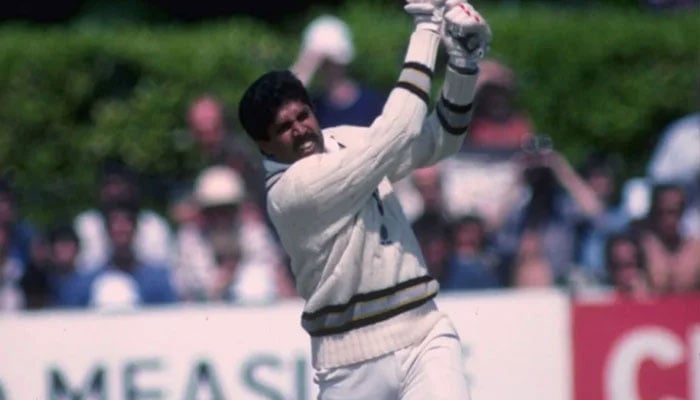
416	77
371	307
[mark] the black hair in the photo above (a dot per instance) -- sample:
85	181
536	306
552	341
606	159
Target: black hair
660	189
131	208
495	102
261	101
542	206
115	166
62	231
623	237
469	220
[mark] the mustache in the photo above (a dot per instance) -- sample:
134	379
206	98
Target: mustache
307	137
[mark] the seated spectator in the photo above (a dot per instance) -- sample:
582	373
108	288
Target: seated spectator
35	288
34	282
598	171
227	253
431	231
421	198
11	296
673	260
531	269
676	158
472	264
69	284
624	260
118	183
338	98
151	284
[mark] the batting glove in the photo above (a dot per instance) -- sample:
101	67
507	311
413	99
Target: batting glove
427	14
466	35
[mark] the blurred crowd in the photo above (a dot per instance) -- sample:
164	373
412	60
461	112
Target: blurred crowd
508	211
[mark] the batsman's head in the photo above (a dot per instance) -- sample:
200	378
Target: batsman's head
276	113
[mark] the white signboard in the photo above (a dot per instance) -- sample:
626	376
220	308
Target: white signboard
516	346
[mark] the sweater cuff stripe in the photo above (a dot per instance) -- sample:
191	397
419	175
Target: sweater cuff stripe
418	67
422	94
416	78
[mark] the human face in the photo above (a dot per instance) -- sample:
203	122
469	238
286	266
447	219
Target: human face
669	212
294	133
206	122
121	227
626	270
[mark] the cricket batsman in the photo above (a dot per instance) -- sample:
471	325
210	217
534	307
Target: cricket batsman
375	331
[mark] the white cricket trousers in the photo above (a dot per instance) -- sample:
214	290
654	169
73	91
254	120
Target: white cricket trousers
429	370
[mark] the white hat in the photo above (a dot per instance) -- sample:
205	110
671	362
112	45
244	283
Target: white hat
217	186
331	37
114	290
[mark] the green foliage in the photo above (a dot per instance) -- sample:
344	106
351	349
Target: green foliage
591	78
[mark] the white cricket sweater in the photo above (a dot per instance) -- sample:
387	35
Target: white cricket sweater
353	253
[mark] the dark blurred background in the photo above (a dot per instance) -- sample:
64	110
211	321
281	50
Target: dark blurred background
155	11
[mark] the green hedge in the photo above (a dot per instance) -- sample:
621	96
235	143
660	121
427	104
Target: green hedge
591	78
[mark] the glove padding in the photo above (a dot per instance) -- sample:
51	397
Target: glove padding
427	14
466	35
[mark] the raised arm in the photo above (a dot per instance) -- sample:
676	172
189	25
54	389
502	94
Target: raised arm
334	184
466	36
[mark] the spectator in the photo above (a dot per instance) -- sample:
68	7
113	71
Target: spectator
217	144
673	260
676	158
69	284
624	260
34	282
118	183
472	264
420	195
531	268
599	173
328	49
125	279
226	252
431	232
11	297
